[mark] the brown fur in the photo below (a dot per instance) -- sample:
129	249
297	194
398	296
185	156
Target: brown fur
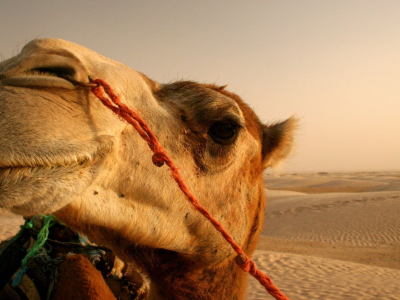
79	280
62	152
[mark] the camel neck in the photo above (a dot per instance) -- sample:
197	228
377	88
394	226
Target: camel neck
173	277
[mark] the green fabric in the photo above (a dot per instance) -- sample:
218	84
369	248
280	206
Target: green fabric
42	236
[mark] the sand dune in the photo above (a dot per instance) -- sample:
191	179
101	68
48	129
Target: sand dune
326	236
279	194
335	182
332	236
308	277
359	219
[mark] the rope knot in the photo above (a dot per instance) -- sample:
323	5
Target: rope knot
243	262
159	159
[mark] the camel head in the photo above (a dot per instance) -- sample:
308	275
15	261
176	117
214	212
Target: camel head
63	153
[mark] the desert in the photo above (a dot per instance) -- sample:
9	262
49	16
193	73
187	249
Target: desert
331	236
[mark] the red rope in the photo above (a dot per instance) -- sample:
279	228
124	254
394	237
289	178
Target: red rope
159	158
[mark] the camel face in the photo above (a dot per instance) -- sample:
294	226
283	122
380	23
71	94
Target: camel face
50	139
63	152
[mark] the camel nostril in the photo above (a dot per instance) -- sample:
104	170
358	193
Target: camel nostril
46	70
62	72
50	76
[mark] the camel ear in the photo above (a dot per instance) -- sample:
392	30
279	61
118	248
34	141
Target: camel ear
278	140
222	87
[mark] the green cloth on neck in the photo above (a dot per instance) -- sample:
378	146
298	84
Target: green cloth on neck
42	236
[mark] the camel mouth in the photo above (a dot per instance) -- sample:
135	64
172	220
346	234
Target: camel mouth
24	184
42	172
33	172
13	160
14	168
38	173
52	71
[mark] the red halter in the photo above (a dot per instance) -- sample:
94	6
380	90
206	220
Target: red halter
159	158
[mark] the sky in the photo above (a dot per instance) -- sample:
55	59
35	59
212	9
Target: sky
333	64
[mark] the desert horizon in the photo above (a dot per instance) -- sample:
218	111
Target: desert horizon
331	235
327	235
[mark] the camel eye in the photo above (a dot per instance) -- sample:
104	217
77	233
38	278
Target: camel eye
223	132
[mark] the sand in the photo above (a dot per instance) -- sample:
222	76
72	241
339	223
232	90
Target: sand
326	236
310	277
331	236
9	224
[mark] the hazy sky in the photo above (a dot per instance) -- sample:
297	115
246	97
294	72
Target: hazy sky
334	64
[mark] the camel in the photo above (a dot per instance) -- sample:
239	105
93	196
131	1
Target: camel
63	153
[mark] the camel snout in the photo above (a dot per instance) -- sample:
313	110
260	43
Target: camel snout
43	70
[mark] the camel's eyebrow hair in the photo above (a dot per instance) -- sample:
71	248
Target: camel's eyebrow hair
225	112
229	117
209	106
